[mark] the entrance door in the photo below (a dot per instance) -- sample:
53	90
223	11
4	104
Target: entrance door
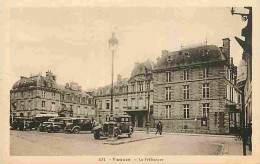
140	121
221	122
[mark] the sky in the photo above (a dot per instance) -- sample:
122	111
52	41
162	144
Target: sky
72	42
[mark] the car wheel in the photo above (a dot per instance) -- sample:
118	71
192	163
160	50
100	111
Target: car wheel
49	130
116	134
96	135
76	130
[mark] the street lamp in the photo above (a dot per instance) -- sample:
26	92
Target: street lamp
148	78
113	44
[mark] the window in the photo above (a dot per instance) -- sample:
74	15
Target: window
22	105
186	110
232	94
205	90
78	111
205	73
43	93
168	111
186	94
117	103
29	104
125	102
133	102
168	93
107	105
141	88
53	106
43	104
89	101
53	95
133	87
215	118
168	77
186	75
226	72
205	110
100	105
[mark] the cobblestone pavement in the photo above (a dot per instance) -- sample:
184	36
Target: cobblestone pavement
34	143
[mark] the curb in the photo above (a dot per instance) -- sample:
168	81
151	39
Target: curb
193	134
123	142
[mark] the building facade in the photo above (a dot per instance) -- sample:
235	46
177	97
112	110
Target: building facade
191	90
37	94
130	96
195	90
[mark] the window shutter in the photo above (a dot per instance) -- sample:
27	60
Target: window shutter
190	74
181	92
200	73
200	90
172	93
181	74
210	73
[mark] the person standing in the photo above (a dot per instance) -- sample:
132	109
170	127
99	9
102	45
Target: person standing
159	128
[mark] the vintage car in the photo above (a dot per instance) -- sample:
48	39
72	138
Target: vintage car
75	125
25	124
121	125
42	127
55	127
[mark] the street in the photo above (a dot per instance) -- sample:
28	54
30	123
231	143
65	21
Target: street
34	143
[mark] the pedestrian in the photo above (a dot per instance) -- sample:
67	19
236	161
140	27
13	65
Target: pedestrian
94	123
159	127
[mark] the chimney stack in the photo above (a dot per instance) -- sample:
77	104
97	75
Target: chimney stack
119	77
226	48
164	52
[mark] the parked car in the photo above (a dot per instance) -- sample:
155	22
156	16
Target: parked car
42	127
55	127
121	125
78	124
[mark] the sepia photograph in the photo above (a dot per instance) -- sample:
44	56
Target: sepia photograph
130	83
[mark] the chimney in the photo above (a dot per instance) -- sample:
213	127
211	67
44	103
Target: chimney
226	48
164	52
119	77
50	75
22	77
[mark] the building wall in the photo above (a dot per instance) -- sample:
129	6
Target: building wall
28	101
217	90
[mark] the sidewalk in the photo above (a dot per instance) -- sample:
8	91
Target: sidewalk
235	147
123	140
186	134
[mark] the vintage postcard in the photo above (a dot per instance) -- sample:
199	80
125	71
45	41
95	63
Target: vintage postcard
129	82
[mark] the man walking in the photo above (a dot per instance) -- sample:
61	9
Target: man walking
159	127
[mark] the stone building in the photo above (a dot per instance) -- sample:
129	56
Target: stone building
195	90
37	94
130	96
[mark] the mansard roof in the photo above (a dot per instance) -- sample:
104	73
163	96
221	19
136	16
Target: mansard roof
187	56
140	68
38	80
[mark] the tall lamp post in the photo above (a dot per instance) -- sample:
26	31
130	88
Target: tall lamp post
148	78
113	44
